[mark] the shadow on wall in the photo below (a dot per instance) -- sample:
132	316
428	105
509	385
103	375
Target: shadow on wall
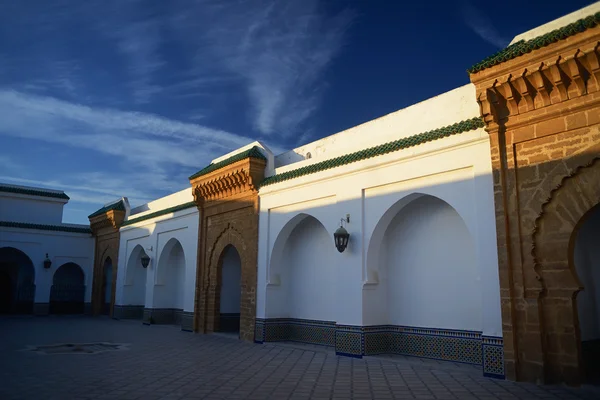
426	285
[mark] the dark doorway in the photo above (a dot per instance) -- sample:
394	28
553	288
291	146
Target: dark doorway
107	278
17	277
68	290
230	290
6	295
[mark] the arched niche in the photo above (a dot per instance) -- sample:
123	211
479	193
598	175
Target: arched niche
170	276
425	259
68	290
134	289
17	278
303	266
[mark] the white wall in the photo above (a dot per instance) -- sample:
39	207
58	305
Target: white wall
587	264
31	209
136	276
456	169
155	234
62	247
231	274
429	268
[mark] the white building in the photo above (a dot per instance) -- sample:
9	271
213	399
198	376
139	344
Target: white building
45	265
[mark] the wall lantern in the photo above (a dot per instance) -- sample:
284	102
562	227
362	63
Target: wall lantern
145	260
47	262
341	235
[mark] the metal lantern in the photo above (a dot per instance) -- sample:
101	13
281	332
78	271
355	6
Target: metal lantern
145	260
47	262
341	236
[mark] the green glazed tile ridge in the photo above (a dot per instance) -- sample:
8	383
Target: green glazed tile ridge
33	192
43	227
117	206
415	140
160	212
523	47
253	152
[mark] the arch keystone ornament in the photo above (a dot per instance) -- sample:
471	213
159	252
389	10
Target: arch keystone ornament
226	195
540	101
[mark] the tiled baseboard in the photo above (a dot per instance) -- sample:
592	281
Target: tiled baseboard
468	347
162	316
187	321
128	312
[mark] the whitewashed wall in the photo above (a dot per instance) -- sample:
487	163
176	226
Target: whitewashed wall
587	265
456	170
31	209
62	248
160	290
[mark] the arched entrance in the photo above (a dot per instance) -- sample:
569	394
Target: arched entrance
17	277
68	290
107	279
230	291
586	257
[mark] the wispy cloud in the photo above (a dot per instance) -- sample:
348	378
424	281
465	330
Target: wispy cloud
482	25
281	49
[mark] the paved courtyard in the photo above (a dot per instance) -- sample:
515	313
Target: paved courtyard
161	362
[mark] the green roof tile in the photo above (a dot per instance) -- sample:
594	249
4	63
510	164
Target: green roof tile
33	192
379	150
253	152
117	206
522	47
42	227
159	213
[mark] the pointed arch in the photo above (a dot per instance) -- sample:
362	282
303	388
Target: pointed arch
68	290
18	276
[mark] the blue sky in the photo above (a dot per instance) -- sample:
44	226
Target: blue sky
114	98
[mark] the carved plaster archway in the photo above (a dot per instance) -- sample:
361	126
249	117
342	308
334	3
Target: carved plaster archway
554	239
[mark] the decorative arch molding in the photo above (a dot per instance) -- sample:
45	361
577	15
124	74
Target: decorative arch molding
163	254
560	215
371	267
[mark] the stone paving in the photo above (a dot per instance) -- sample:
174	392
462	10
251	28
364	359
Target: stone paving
161	362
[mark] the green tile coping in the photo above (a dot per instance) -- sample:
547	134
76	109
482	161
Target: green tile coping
117	206
33	192
60	228
160	212
522	47
415	140
253	152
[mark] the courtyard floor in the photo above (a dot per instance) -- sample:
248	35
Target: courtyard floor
162	362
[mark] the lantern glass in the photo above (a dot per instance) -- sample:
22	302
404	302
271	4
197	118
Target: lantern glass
145	260
340	238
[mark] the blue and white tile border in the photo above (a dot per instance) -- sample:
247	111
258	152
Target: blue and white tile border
468	347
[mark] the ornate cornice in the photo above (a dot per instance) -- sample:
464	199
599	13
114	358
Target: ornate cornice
109	219
233	180
551	75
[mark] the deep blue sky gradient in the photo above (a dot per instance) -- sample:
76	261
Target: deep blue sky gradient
128	98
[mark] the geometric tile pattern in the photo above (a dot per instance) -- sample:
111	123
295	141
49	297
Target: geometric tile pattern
349	340
162	316
468	347
128	312
493	357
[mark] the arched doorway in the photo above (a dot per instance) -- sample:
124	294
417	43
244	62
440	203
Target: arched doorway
68	290
586	257
230	290
107	279
17	280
